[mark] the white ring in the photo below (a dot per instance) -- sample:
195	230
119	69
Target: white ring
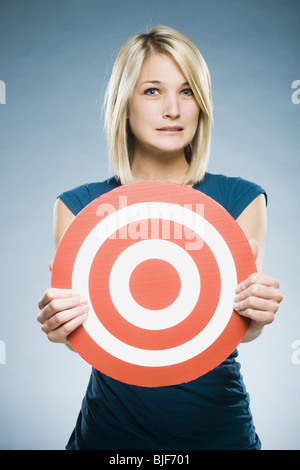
153	358
126	304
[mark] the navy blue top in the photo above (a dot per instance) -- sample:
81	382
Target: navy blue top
211	412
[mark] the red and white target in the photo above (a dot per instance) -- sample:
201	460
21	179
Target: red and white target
159	263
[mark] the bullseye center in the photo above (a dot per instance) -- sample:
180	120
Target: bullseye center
154	284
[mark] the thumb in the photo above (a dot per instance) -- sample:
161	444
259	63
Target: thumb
50	265
254	247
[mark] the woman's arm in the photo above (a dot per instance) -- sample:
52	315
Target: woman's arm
258	297
61	310
62	217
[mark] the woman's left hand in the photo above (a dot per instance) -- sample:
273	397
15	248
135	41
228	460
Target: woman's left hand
257	298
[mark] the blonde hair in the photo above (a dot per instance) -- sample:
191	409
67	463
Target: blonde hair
121	85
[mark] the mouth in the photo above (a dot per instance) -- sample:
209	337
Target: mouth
170	129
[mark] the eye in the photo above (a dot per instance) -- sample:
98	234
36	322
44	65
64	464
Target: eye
151	91
187	92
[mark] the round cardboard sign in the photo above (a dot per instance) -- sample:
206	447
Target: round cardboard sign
158	263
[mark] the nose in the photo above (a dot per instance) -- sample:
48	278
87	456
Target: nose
171	107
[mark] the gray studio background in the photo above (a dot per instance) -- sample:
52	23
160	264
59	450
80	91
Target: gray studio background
55	60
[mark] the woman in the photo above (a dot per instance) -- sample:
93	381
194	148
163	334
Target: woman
158	122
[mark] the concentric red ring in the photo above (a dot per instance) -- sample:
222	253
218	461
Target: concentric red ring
152	339
156	340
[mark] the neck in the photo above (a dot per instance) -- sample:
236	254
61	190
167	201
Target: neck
164	168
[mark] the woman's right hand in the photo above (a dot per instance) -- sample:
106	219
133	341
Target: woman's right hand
61	312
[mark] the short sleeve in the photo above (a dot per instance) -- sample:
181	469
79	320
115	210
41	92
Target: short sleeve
240	194
233	193
76	199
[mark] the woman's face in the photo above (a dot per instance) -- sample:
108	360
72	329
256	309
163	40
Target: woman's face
163	112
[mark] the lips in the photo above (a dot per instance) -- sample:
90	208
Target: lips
170	129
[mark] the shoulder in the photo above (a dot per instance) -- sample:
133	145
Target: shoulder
233	193
79	197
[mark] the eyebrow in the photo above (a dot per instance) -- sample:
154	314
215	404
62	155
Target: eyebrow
158	82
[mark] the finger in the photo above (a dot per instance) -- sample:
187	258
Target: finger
50	265
257	278
53	293
58	305
60	335
261	291
260	317
256	304
63	317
